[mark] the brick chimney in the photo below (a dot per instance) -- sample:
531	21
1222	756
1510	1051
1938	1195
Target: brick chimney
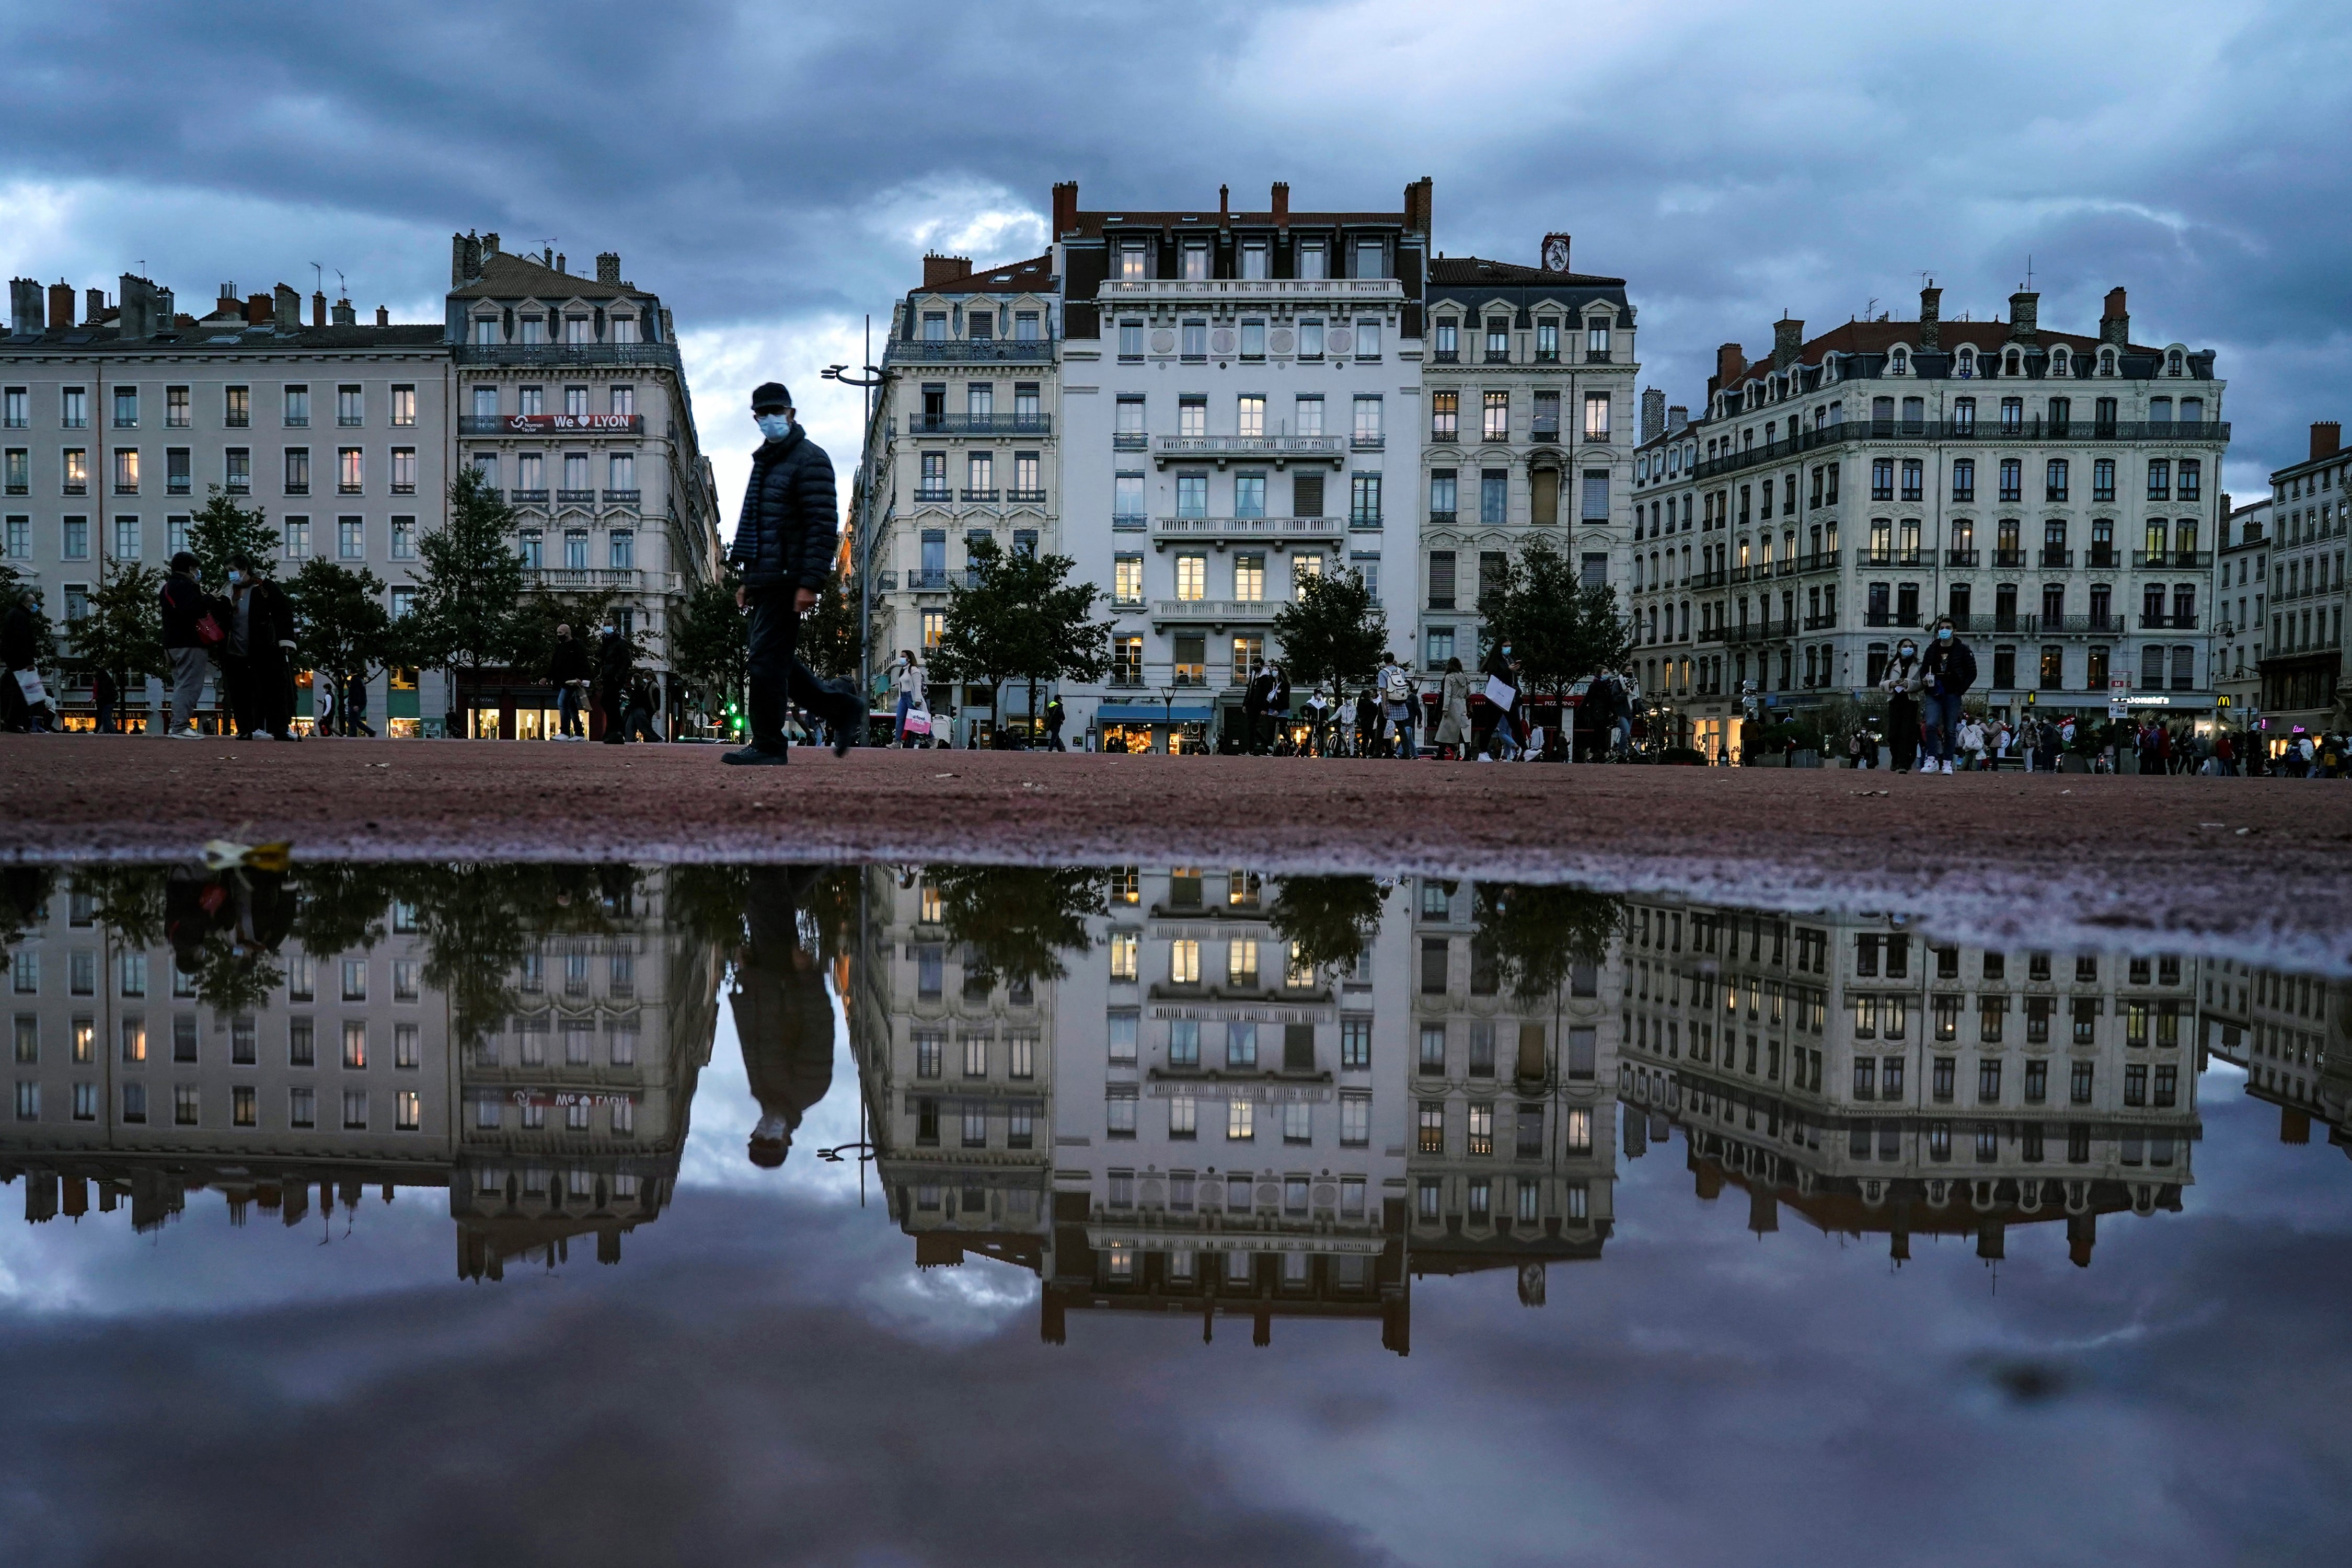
318	308
285	308
940	271
1654	413
24	306
93	306
1224	201
1788	342
1065	207
2114	321
1730	360
2326	438
1931	316
608	267
1280	202
2025	316
1420	201
383	317
228	304
344	316
257	310
60	304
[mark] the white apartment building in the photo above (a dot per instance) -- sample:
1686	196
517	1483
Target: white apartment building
1878	1082
116	424
963	446
2241	610
2303	671
1531	435
2056	494
570	398
1241	396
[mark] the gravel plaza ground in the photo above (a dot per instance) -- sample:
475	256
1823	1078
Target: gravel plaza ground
2261	866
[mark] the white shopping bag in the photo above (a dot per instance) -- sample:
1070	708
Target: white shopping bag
918	722
1499	694
28	682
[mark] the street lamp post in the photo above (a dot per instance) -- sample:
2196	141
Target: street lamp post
874	376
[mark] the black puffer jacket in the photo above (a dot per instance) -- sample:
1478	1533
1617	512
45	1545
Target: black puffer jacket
791	525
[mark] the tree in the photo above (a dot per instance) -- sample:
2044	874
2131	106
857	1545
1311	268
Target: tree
709	644
538	616
466	607
341	625
1560	629
123	632
1326	920
1335	633
1017	920
1018	620
1537	932
829	632
223	529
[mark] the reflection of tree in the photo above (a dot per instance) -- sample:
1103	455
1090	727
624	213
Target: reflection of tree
478	921
226	929
1328	918
24	890
1016	919
1538	932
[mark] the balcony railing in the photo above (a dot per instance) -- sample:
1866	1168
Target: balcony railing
1215	609
934	498
1130	524
2008	557
1923	430
1025	497
1443	518
1893	558
1960	557
986	497
2173	560
528	498
575	497
1820	623
1499	356
1129	441
1247	527
571	578
622	498
1366	443
1544	435
2169	621
662	354
1365	520
1223	449
2101	556
2056	555
1596	356
967	351
1445	356
980	423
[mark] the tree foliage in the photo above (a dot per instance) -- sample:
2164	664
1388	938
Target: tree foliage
1329	920
1017	920
123	632
538	616
222	530
709	643
466	604
829	633
342	628
12	585
1336	635
1560	629
1018	619
1537	932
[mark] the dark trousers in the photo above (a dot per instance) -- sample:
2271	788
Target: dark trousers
1903	732
616	706
775	672
259	693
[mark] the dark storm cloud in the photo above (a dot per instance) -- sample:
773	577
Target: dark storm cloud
759	164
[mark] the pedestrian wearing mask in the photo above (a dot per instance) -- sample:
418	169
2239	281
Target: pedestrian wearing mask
568	668
1950	669
1904	683
260	641
615	661
190	632
784	548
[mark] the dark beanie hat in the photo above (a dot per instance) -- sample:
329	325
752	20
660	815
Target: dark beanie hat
770	394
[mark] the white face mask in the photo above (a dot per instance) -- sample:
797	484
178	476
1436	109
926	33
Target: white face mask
774	427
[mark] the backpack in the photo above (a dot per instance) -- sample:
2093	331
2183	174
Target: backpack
1392	686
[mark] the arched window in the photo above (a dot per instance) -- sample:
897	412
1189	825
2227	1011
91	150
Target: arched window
2060	362
1899	363
1967	362
2107	361
2172	363
2014	364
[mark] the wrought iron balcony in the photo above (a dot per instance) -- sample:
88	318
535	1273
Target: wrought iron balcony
1596	356
1025	497
969	351
528	498
1544	435
1445	356
934	498
980	497
575	497
1129	441
980	423
2169	621
1960	557
2173	560
622	498
2037	431
584	354
1222	449
2056	555
1274	529
1130	524
1499	356
2008	557
2102	555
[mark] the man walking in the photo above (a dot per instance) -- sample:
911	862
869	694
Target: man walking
19	648
784	548
617	659
261	637
186	606
568	668
1947	670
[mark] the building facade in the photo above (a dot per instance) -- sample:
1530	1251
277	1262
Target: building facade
2056	494
2303	671
569	398
1241	396
963	444
117	423
2241	610
1529	384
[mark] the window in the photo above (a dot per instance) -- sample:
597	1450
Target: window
1445	415
1596	416
14	411
1496	425
350	472
404	470
1241	1121
1368	421
350	538
75	460
355	1108
1364	500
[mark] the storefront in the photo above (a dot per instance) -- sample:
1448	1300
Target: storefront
1181	729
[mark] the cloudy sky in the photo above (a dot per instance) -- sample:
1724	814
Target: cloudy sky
776	171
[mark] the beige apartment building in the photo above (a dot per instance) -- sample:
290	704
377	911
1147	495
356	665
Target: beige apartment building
2057	494
2303	669
2241	610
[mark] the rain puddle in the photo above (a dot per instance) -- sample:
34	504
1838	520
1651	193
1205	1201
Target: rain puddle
943	1214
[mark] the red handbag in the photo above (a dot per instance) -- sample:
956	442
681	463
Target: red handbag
208	631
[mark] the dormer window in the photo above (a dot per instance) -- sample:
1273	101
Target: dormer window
2061	362
1314	260
534	329
980	326
2173	363
2014	364
575	330
1965	364
1899	363
935	326
1132	259
1196	263
486	329
2107	361
1254	264
624	329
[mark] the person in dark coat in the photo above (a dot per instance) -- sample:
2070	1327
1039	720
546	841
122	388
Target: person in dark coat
783	1018
184	605
1948	669
1054	718
19	649
784	548
106	694
568	669
261	641
616	660
1254	696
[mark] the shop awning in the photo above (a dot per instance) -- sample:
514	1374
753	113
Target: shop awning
1150	713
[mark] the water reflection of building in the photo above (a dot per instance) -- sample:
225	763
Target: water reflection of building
2293	1036
1513	1142
171	1033
1875	1081
954	1061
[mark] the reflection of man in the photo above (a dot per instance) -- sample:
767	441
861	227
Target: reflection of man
782	1015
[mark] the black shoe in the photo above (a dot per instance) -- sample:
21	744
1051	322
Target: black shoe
754	757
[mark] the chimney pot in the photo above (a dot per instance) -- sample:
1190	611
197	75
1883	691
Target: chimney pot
93	306
383	317
1281	202
2024	315
1788	342
60	304
318	308
1931	316
560	263
1065	207
608	267
2114	321
2326	438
